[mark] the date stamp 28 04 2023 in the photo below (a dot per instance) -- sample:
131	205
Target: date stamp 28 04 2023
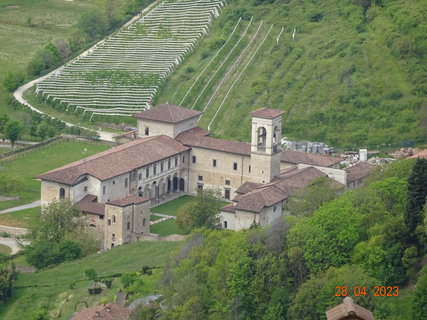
376	291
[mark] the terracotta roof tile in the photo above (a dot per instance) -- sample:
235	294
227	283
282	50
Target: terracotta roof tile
197	131
298	157
257	199
204	142
109	311
117	161
421	154
267	113
358	171
168	113
88	204
128	200
348	310
247	187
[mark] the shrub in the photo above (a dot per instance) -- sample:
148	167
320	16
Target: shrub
13	80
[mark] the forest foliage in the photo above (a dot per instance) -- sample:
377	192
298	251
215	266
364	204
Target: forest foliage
355	74
290	270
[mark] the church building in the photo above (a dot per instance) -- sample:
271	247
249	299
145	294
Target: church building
173	155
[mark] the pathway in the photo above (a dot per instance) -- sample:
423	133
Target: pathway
34	204
164	218
11	243
18	94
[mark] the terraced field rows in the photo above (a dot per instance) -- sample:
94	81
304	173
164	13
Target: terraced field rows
124	72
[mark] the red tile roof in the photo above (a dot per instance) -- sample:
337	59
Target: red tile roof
267	113
204	142
421	154
88	204
168	113
266	195
118	160
128	200
109	311
298	157
248	187
358	171
197	131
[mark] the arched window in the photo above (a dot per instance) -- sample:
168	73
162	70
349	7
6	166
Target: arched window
143	222
61	193
114	219
140	176
261	138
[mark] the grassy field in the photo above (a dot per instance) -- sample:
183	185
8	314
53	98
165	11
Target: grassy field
171	208
27	26
42	160
61	299
154	217
166	228
345	79
5	249
20	219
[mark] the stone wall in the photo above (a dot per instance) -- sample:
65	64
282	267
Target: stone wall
13	231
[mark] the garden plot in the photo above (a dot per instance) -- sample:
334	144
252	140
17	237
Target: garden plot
123	73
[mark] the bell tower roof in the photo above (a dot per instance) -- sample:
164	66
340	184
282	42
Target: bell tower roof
267	113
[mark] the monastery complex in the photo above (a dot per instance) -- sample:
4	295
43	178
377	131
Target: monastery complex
172	155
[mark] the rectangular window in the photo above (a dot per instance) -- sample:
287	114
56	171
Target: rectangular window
147	172
176	161
154	169
147	131
249	169
213	163
225	224
183	159
109	222
161	167
114	181
227	182
113	236
194	159
126	182
132	176
200	187
128	225
235	165
103	189
85	189
227	194
169	164
200	178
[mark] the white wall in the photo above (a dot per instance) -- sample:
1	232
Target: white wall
338	175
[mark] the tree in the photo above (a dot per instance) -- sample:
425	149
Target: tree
4	119
12	80
317	295
419	305
91	274
11	184
56	221
93	25
13	131
42	130
202	212
417	192
307	200
7	277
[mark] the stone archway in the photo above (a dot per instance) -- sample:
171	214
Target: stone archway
168	185
181	184
175	183
154	190
147	191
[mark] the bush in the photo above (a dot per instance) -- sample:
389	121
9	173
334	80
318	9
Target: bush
13	80
96	290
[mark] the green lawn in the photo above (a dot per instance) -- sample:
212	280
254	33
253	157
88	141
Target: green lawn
20	219
166	228
154	217
61	299
5	249
171	208
5	149
45	159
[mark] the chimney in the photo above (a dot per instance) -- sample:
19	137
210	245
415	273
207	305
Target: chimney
149	105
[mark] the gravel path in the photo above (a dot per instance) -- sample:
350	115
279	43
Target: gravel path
34	204
18	94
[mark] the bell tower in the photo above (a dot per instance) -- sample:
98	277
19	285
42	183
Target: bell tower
265	144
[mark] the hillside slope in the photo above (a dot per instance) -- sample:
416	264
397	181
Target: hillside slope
354	74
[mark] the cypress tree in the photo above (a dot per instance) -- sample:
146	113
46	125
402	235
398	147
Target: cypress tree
417	192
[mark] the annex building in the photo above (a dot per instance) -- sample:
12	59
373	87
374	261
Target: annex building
173	155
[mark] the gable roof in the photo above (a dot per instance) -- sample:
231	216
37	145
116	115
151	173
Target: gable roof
205	142
358	171
168	113
117	161
128	200
259	196
312	159
89	205
109	311
348	310
267	113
